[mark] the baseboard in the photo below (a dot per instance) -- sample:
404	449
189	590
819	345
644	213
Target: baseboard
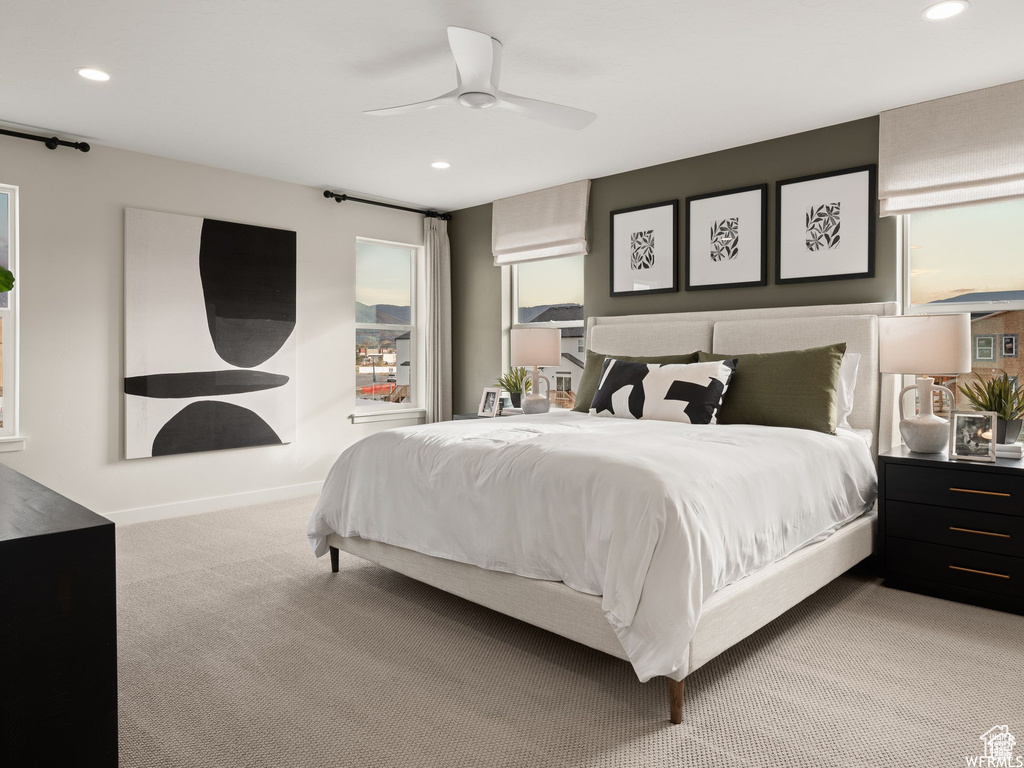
212	504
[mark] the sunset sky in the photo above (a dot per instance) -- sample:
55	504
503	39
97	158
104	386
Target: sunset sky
551	281
947	248
383	274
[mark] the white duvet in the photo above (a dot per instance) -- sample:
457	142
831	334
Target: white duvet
654	516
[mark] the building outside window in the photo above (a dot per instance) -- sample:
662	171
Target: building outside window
388	343
549	292
8	311
971	260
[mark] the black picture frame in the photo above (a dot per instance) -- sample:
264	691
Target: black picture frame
763	280
674	287
872	218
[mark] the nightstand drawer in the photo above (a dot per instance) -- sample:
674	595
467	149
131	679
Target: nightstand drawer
981	571
960	488
983	531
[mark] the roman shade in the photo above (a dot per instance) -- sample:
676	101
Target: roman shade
546	224
951	152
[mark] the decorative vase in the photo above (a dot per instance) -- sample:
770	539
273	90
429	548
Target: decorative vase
516	398
1007	432
924	432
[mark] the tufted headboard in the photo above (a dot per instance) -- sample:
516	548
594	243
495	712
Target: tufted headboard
767	330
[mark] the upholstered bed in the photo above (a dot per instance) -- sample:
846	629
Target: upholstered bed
733	610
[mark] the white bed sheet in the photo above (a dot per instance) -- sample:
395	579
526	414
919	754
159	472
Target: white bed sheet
653	516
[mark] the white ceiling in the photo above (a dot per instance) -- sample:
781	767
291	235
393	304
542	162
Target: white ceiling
276	88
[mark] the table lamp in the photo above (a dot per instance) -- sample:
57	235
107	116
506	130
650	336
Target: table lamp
533	347
922	344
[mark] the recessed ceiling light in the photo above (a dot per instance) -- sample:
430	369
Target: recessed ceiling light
947	9
440	164
93	74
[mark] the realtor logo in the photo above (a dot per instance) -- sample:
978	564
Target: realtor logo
999	744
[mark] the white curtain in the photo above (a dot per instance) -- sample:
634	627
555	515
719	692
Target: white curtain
438	331
547	224
951	152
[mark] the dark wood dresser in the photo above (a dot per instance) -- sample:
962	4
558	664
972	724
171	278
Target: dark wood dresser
58	685
952	529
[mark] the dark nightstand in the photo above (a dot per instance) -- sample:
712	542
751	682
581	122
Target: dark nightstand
952	529
506	412
58	632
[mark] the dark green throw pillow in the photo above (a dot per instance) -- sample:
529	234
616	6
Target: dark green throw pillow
783	389
592	373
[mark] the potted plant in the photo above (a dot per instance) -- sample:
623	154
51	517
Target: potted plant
1002	395
6	280
516	382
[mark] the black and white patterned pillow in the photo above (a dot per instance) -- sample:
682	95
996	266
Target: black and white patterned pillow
690	393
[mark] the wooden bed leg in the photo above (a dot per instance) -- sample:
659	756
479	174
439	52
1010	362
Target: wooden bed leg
334	559
675	700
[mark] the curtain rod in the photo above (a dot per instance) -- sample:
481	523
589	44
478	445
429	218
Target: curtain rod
51	142
341	198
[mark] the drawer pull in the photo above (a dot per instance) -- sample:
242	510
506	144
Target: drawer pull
982	533
983	573
983	493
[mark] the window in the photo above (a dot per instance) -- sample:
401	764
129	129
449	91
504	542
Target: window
964	256
8	312
971	260
550	292
388	339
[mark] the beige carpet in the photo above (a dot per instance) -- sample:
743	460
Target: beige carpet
237	648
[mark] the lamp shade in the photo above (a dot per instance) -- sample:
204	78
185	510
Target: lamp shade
925	344
536	346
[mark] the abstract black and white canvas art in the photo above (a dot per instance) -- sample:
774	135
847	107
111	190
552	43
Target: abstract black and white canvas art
825	226
690	393
209	334
727	238
644	249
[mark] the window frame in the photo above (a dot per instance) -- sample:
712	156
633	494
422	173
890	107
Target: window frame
369	411
945	308
10	438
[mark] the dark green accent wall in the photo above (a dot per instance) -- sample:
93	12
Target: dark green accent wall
476	307
476	283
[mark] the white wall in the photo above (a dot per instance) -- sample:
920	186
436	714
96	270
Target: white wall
70	280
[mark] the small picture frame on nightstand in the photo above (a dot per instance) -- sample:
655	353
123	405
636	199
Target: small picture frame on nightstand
972	436
490	402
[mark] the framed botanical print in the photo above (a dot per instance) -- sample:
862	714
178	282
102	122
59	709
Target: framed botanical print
644	249
727	239
825	226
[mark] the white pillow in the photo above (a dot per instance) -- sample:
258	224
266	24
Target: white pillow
690	393
844	388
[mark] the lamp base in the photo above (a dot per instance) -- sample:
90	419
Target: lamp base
925	433
536	404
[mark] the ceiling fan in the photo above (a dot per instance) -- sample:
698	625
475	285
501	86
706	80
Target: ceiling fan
478	66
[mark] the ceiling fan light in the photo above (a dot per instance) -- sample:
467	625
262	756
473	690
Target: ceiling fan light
947	9
477	100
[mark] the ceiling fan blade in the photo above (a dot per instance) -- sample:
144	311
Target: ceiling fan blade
477	59
441	101
546	112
